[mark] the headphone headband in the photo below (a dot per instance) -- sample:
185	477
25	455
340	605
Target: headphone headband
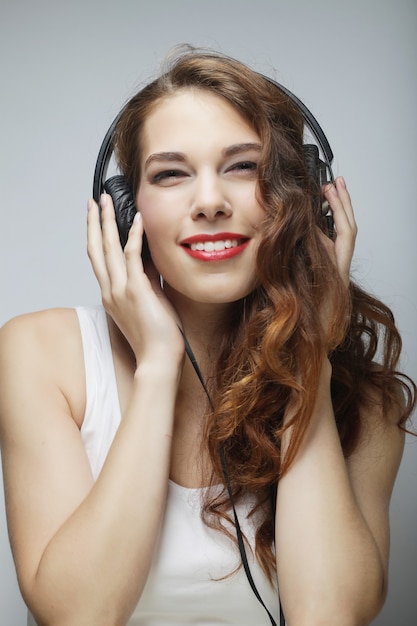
310	121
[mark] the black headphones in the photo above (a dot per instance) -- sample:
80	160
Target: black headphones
124	202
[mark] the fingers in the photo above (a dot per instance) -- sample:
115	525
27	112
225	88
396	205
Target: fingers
112	266
340	202
345	226
133	250
95	245
112	250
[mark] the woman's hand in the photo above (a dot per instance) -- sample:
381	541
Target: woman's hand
341	248
132	297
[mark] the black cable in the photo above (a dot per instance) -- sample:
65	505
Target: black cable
239	535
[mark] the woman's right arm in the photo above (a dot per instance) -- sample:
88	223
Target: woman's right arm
82	549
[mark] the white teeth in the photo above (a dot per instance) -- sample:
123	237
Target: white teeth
211	246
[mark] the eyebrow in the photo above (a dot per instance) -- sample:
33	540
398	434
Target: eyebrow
241	147
181	157
165	156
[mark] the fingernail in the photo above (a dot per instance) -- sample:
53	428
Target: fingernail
103	199
90	204
137	217
342	182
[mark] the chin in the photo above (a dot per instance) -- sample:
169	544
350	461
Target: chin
209	295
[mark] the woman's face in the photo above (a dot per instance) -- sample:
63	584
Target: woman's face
197	197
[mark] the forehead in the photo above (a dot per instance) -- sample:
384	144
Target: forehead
194	115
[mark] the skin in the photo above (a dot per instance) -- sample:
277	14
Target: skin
332	516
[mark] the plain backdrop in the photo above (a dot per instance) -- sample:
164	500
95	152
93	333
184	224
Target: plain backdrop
67	68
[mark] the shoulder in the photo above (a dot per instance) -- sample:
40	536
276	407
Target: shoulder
43	348
40	339
37	324
37	327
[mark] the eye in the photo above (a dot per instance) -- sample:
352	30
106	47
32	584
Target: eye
244	167
167	176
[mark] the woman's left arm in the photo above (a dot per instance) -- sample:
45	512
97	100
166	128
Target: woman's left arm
332	526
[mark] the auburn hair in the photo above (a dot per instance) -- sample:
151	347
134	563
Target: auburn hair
272	352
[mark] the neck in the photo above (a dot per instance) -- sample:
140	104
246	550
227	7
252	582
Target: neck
203	324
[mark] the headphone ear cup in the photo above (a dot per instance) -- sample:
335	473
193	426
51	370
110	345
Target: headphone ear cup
312	163
124	204
318	173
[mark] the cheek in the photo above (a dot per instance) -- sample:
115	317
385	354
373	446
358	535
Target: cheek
162	212
247	201
148	208
257	215
157	228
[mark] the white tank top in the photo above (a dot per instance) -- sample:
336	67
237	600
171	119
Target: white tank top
183	586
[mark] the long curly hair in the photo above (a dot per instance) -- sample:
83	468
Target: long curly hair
272	353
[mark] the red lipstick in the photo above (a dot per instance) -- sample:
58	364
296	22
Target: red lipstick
215	247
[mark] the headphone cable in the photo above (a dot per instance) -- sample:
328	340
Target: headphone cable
239	534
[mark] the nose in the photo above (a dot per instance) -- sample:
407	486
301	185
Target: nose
210	201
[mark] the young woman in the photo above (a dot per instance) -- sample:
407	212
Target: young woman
120	464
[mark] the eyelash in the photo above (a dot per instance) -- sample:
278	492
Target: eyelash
166	174
244	166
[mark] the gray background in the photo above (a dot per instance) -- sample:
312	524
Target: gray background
67	67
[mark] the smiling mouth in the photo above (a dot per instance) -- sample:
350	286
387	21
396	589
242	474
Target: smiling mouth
215	246
217	250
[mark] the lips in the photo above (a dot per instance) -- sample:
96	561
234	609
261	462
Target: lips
218	247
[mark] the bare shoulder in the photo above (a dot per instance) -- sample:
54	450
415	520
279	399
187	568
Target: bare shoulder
39	325
44	345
